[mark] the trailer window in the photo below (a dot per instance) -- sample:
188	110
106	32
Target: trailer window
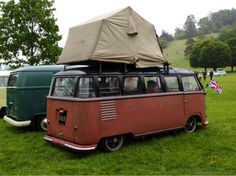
108	86
190	83
132	85
152	84
64	87
86	88
172	83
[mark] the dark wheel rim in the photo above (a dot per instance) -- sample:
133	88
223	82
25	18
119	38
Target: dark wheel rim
43	123
191	125
114	143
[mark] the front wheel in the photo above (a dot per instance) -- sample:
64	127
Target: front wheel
111	144
41	124
191	125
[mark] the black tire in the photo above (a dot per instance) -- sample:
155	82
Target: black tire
41	123
191	125
111	144
2	112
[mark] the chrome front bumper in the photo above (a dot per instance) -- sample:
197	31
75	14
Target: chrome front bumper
17	123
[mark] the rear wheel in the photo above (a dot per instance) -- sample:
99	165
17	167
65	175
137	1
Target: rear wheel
2	112
41	124
191	125
111	144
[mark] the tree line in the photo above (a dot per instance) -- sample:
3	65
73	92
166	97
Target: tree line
214	52
208	52
212	23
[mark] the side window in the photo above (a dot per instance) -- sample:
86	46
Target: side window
86	88
172	83
108	86
152	84
64	87
12	80
132	85
190	83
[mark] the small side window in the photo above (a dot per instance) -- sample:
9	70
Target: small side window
86	88
64	87
132	85
12	80
190	83
152	84
172	83
109	86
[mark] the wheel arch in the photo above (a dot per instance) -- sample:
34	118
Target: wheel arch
196	116
36	121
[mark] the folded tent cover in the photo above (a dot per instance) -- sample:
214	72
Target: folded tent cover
119	37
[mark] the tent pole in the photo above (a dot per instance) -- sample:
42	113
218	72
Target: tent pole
100	67
126	68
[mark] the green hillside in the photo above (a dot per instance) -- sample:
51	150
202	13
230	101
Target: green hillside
175	54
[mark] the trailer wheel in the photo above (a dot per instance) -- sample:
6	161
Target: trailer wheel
191	125
41	124
111	144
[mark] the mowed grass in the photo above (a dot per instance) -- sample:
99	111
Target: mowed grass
174	53
208	151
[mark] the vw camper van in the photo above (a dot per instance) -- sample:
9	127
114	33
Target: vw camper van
27	90
87	109
3	84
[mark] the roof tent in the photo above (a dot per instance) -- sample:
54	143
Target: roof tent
119	37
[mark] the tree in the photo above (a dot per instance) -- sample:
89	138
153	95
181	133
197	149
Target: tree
189	46
166	36
223	18
196	51
163	43
232	45
205	26
179	34
29	34
215	55
190	26
227	33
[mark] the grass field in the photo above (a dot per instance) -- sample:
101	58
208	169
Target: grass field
210	150
175	54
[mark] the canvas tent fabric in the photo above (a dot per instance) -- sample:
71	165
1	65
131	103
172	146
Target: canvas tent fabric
119	37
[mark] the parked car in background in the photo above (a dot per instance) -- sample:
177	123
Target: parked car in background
220	73
217	73
3	84
27	92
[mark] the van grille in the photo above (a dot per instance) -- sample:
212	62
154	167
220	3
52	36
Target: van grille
108	110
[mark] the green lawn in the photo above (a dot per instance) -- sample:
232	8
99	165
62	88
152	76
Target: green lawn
210	150
174	53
